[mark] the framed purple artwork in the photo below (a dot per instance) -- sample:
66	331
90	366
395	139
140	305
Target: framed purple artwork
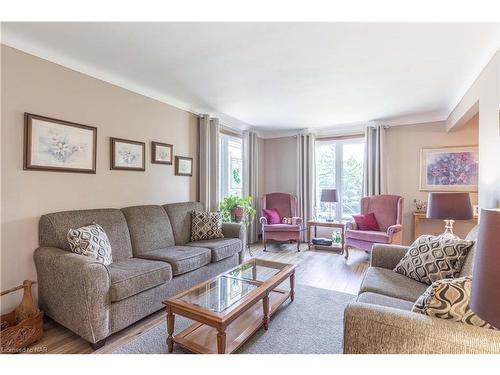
449	169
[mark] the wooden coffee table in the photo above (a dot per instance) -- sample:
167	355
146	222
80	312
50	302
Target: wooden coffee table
226	308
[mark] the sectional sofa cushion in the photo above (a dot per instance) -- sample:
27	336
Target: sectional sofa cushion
149	227
392	284
91	241
449	299
431	258
221	248
381	300
54	227
182	258
132	276
180	219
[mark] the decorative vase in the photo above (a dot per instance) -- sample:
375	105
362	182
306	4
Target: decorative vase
237	214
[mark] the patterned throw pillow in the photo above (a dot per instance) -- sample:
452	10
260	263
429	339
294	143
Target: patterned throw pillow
206	225
432	258
449	299
92	242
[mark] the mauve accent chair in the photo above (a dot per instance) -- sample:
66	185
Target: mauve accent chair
287	206
388	210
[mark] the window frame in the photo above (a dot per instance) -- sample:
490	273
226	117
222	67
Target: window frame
339	163
224	162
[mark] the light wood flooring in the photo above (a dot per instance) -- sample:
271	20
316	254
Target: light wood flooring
321	269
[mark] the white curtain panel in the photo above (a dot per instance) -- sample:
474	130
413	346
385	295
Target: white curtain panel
374	174
251	165
305	173
209	162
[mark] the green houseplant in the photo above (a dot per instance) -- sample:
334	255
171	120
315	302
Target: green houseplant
237	209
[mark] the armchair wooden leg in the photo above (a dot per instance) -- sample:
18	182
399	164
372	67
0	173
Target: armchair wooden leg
298	246
264	242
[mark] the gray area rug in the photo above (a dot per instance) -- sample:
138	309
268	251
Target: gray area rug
313	323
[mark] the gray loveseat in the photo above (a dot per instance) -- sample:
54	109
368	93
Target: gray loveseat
381	321
153	259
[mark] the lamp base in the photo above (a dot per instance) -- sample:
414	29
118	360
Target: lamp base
448	231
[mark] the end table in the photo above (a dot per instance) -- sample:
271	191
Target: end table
327	224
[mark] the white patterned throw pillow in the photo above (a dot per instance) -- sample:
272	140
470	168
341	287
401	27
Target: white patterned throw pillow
206	225
449	299
91	241
432	258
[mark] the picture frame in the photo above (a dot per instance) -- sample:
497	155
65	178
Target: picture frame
59	146
183	166
127	155
449	169
162	153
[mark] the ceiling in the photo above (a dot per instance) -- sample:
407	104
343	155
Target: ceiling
277	76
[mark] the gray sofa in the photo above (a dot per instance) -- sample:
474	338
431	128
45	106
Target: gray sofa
153	259
381	321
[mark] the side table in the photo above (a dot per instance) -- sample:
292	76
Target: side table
327	224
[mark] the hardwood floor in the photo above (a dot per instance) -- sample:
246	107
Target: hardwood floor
321	269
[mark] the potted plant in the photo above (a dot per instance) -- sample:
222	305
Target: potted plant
237	209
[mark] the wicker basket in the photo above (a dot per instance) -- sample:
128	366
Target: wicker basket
24	325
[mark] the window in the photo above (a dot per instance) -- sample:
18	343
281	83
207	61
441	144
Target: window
231	165
339	165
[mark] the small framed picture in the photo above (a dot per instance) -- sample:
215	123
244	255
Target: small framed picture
57	145
128	155
161	153
183	166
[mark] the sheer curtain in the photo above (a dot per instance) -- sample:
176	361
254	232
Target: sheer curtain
305	173
209	129
251	181
374	173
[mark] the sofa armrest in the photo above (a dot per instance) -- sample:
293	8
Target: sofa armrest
263	220
373	329
74	291
393	229
351	225
296	220
236	230
387	256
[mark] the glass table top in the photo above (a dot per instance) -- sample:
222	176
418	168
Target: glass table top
232	286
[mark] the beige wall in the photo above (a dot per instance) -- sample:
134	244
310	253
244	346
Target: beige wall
484	96
30	84
403	166
280	169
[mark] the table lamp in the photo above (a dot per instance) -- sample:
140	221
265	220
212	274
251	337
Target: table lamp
329	196
449	207
485	295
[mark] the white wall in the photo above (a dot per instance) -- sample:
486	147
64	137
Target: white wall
484	96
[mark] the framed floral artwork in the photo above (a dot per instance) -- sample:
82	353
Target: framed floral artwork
183	166
161	153
128	155
57	145
449	169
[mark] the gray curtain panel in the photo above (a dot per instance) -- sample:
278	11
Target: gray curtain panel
250	149
305	183
208	162
374	174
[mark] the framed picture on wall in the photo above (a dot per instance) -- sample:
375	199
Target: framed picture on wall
128	155
183	166
57	145
449	169
162	153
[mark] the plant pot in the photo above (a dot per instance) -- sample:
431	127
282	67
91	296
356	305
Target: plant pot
237	214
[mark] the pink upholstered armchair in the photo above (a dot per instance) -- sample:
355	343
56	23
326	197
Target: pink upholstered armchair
388	210
287	206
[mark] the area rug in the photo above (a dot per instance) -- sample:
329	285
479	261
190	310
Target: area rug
313	323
